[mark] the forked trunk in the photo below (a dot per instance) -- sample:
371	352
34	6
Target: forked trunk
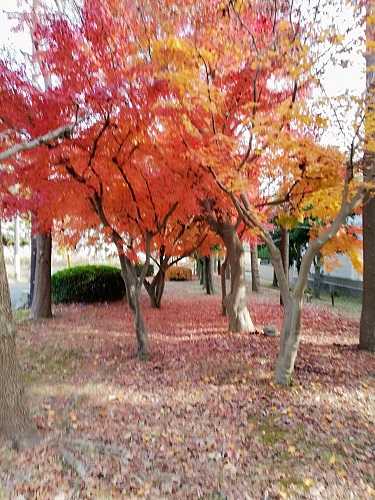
41	304
235	303
238	314
255	277
155	289
289	341
15	421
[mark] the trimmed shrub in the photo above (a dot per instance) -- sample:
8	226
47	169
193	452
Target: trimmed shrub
87	284
179	273
150	271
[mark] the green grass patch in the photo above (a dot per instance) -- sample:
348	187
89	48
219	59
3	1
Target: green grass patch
21	315
57	363
291	484
271	434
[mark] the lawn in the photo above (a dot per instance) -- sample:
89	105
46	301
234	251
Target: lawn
202	418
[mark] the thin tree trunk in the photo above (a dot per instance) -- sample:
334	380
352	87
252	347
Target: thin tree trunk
15	421
219	266
199	269
284	249
223	271
317	283
275	283
203	271
41	304
289	341
139	325
208	276
255	277
367	325
160	289
32	268
122	260
133	285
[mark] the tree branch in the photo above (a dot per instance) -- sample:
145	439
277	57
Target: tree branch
41	140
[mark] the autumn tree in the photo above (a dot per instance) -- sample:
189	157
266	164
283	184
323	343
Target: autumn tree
256	133
115	173
306	178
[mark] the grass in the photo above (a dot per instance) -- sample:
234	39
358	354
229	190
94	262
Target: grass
50	363
21	315
343	303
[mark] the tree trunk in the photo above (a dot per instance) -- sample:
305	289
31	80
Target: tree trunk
317	283
289	341
41	304
133	286
235	303
139	325
155	289
255	278
208	281
32	268
15	421
284	249
203	271
223	271
219	266
227	272
275	283
367	326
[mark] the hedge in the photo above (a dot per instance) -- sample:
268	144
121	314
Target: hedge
87	284
179	273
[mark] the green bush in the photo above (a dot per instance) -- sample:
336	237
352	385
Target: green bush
87	284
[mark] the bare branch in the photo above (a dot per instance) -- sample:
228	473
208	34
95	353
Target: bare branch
41	140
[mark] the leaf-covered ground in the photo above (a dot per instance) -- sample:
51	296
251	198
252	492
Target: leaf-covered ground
202	418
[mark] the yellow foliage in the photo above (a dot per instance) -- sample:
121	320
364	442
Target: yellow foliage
179	273
346	242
